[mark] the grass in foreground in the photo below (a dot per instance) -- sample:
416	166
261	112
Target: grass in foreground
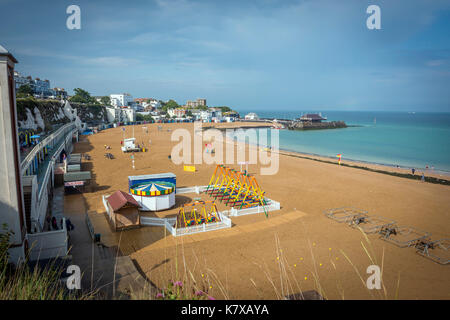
24	283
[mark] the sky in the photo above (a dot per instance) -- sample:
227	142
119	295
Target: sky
249	55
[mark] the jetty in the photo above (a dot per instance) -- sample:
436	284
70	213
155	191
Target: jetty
308	121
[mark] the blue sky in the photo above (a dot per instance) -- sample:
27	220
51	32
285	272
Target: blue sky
250	55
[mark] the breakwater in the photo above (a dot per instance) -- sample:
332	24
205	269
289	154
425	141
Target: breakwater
302	125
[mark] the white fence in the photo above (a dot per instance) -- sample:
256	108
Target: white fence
169	223
196	189
271	206
49	244
160	222
223	224
225	221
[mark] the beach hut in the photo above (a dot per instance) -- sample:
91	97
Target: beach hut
123	211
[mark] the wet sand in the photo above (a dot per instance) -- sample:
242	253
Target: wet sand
245	261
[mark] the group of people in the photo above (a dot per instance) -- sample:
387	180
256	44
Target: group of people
413	171
53	224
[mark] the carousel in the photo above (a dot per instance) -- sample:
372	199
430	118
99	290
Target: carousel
154	195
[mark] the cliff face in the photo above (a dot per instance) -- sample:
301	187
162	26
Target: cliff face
44	115
300	125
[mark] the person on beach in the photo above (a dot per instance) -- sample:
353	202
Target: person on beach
423	177
413	171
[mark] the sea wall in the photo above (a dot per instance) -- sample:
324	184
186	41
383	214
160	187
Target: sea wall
301	125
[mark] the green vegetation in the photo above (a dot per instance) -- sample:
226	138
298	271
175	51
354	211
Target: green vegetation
82	96
171	104
176	291
224	108
24	283
24	91
105	100
146	117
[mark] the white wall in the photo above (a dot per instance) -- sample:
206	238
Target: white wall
10	201
51	244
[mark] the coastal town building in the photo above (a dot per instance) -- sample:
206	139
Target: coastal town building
60	93
41	88
177	112
121	114
147	104
312	117
251	116
121	100
215	114
194	104
230	116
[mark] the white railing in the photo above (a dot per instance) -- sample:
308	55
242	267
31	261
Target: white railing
50	244
196	189
150	221
46	178
30	156
42	205
271	206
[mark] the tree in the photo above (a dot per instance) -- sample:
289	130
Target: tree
224	108
171	104
105	100
141	117
203	108
82	96
24	91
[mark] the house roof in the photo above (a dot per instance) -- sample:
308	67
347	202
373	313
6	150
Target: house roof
119	199
4	52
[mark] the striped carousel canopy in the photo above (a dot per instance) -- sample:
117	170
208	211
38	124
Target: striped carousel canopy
151	189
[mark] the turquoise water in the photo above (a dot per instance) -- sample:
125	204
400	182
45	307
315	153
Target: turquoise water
396	138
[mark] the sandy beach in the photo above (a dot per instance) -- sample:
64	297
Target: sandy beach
296	248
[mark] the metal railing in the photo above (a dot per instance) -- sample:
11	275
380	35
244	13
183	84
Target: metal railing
30	156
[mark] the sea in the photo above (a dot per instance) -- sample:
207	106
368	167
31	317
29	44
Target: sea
405	139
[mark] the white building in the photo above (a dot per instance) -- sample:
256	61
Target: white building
120	114
127	115
205	116
216	114
251	116
155	104
40	87
121	100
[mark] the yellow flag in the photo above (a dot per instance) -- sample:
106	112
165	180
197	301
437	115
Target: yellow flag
189	168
